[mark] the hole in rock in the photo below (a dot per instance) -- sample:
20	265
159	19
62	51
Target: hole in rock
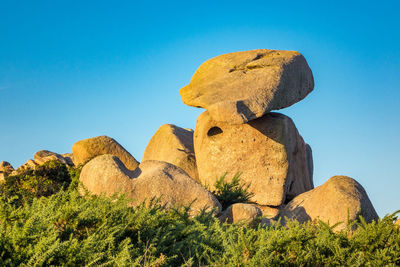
214	131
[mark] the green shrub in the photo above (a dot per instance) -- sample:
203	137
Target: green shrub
232	192
44	180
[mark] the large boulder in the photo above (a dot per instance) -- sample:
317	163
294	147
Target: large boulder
241	213
242	86
337	200
87	149
268	152
174	145
107	175
43	156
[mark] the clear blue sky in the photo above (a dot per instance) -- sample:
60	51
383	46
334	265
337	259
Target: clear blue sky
76	69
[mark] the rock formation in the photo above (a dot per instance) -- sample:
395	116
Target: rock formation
174	145
107	175
43	156
6	167
242	86
241	213
87	149
268	152
339	199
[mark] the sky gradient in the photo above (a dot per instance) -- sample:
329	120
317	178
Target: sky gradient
71	70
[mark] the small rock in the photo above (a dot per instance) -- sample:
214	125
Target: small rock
107	175
44	156
269	212
6	167
240	212
87	149
337	200
69	158
174	145
239	87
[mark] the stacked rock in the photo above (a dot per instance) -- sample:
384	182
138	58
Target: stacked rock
238	133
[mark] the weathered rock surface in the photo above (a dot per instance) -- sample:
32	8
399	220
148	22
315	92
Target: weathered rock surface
240	213
6	167
397	222
268	152
87	149
269	212
337	200
107	175
43	156
242	86
174	145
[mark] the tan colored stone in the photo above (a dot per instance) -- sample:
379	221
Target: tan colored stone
30	164
268	152
44	156
87	149
107	175
174	145
2	176
268	211
240	213
242	86
397	222
6	167
337	200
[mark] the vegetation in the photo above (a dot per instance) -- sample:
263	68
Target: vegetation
232	192
65	228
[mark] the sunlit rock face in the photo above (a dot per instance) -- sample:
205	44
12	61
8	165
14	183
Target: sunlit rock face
268	152
341	199
239	87
174	145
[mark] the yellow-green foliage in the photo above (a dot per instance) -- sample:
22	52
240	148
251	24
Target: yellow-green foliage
68	229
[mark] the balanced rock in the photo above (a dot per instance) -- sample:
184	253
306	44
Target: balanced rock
43	156
240	213
87	149
6	167
242	86
268	152
174	145
337	200
107	175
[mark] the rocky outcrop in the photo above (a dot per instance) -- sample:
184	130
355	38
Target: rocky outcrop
6	167
239	87
268	152
310	164
87	149
107	175
43	156
241	213
339	199
174	145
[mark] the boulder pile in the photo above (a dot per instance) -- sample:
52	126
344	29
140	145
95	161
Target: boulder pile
238	133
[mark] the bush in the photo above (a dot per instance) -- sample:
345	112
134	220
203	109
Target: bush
44	180
232	192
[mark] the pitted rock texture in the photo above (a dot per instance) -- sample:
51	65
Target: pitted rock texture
268	152
107	175
337	200
242	86
174	145
87	149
